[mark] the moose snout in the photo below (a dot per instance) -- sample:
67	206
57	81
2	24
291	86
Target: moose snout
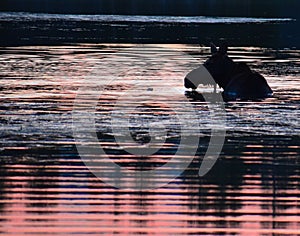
189	84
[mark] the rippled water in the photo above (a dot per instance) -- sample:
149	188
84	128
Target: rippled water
24	28
46	189
24	16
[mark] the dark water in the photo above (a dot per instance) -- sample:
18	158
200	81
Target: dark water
275	30
254	188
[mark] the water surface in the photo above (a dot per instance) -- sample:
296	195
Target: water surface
24	28
46	189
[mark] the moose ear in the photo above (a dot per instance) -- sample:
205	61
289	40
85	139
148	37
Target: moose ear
223	48
213	48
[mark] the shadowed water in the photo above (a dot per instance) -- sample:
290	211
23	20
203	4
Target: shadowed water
45	188
23	28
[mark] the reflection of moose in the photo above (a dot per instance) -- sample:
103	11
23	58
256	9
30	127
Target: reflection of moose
236	78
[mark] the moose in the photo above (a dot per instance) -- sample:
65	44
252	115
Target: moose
236	78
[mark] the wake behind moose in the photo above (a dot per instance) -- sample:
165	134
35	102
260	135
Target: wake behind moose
236	78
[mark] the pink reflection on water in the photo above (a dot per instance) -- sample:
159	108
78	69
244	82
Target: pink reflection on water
60	196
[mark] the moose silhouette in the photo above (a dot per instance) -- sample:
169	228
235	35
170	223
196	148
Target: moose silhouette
236	78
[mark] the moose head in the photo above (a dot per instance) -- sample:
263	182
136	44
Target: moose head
219	65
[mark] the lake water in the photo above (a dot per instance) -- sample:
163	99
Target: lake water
23	28
45	188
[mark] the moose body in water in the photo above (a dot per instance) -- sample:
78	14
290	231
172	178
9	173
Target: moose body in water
236	78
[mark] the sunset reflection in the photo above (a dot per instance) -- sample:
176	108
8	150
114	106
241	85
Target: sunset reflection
46	189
